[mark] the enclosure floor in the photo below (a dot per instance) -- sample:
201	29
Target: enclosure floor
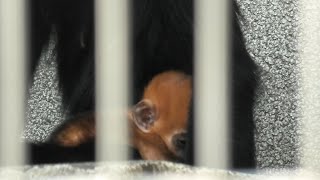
139	170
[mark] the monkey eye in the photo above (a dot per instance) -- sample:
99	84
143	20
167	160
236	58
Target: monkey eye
180	141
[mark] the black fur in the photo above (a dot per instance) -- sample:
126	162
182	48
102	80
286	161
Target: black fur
162	39
243	91
48	153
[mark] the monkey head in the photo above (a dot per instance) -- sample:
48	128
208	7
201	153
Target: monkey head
161	117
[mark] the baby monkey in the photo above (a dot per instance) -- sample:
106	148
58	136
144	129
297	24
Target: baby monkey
157	124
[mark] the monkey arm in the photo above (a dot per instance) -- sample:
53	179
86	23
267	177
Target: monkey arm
78	131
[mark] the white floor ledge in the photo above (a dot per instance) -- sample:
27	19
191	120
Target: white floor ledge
141	170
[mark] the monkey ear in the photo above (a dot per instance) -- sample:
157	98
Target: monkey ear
144	115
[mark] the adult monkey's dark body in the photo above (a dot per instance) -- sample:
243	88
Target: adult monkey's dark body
162	39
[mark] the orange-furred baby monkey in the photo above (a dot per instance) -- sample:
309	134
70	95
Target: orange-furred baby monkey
157	124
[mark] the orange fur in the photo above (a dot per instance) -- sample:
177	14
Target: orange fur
170	93
77	132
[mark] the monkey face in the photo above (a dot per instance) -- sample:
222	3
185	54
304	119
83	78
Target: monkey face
153	138
161	117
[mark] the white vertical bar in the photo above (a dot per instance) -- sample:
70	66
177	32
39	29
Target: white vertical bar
111	18
211	81
309	46
12	80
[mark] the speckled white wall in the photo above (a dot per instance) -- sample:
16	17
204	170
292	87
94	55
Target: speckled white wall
44	104
271	31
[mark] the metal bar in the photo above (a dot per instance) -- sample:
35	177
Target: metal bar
309	48
12	81
211	83
111	22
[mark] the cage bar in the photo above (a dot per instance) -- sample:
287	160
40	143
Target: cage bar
309	48
112	68
211	83
12	81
